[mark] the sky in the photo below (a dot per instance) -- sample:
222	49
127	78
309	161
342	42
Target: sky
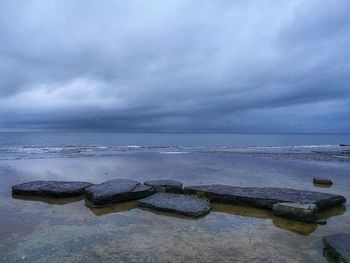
175	66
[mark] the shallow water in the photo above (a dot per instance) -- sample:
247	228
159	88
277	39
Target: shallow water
42	230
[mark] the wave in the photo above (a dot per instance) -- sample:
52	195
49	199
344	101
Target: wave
35	152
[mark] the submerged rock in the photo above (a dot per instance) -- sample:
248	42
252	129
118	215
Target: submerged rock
115	191
301	212
50	188
169	186
177	203
325	181
265	197
338	247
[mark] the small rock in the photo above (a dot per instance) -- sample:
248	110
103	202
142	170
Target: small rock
301	212
51	188
169	186
115	191
177	203
338	247
318	180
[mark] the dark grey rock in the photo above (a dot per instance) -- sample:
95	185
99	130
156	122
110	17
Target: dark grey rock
115	191
300	212
318	180
265	197
169	186
50	188
338	247
177	203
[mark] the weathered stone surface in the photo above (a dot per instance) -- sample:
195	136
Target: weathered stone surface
338	247
318	180
50	188
177	203
300	212
115	191
265	197
169	186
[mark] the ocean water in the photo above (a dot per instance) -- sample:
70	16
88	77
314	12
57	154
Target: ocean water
64	139
22	145
34	229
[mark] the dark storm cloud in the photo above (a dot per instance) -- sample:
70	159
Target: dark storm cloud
224	66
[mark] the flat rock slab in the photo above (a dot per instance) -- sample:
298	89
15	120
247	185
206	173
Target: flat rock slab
115	191
300	212
169	186
338	247
265	197
177	203
51	188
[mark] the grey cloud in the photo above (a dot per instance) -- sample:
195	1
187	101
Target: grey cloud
223	66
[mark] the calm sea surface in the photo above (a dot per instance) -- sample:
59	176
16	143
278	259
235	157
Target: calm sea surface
52	139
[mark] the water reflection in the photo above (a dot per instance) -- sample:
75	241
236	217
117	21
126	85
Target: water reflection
322	185
335	211
49	200
116	208
301	228
170	214
297	227
129	205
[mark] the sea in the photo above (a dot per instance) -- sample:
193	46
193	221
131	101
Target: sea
22	145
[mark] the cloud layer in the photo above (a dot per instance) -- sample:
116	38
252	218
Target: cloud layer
196	66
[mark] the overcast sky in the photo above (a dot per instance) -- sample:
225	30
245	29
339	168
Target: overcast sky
184	66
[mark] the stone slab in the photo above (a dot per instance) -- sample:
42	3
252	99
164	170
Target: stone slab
300	212
338	247
265	197
115	191
177	203
50	188
169	186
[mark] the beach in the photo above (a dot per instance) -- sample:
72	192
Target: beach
57	230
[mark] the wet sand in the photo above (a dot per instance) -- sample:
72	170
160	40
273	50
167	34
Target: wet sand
42	230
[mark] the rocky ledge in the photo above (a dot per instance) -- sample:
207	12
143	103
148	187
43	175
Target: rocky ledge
337	246
169	186
265	197
177	203
115	191
50	188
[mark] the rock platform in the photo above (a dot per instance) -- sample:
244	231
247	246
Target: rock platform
177	203
51	188
115	191
265	197
169	186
